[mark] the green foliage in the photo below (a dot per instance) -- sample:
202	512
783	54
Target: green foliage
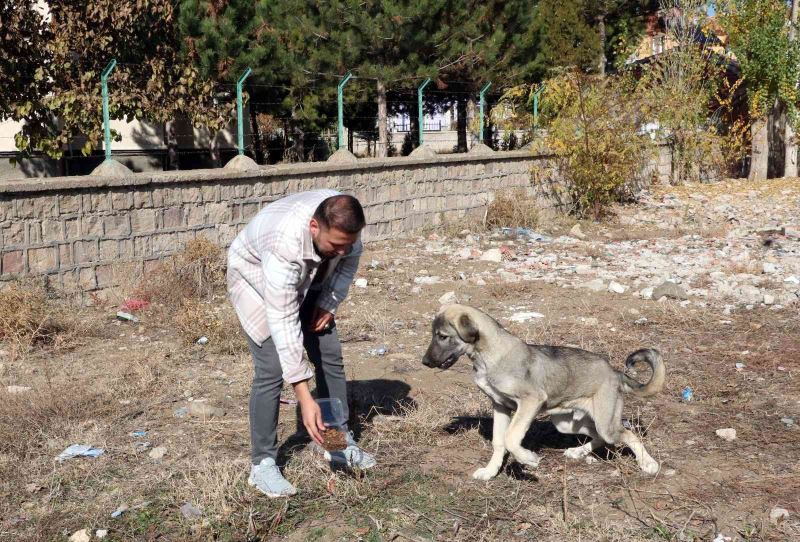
593	133
769	59
150	82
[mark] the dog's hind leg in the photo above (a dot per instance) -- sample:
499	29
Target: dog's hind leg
574	424
608	421
501	418
527	409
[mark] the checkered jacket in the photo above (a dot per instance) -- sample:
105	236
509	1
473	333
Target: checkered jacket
271	265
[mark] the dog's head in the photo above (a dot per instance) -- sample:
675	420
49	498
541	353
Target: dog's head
454	333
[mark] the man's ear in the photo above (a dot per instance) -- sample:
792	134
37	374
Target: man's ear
466	328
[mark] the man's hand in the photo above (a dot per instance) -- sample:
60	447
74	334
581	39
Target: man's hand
310	411
321	321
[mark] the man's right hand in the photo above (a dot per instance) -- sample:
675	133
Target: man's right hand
310	411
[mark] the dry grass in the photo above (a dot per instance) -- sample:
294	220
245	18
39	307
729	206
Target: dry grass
513	210
197	272
213	319
31	316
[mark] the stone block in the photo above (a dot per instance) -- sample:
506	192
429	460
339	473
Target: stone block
71	228
195	215
66	257
85	251
105	276
69	204
143	198
143	220
210	193
142	247
108	250
173	217
121	201
117	225
42	260
126	249
13	233
218	213
12	262
191	195
87	279
91	226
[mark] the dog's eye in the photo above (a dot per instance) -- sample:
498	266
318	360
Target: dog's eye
441	336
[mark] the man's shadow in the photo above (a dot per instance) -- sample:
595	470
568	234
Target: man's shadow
366	399
542	434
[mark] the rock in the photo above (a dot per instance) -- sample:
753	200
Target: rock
749	294
787	421
792	233
17	389
590	321
492	255
100	534
481	148
427	280
190	511
241	162
769	299
111	168
158	452
769	268
465	253
202	409
728	434
80	536
577	232
423	151
670	290
343	156
777	515
647	293
525	316
616	287
448	299
596	285
361	283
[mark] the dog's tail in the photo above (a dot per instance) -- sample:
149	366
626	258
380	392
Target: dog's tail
652	357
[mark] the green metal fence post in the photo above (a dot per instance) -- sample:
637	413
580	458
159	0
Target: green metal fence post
419	105
340	106
104	88
483	105
239	120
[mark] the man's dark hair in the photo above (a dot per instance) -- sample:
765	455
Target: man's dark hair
341	212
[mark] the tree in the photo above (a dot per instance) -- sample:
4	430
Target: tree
769	61
789	137
151	81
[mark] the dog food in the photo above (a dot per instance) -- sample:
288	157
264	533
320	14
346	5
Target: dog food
334	439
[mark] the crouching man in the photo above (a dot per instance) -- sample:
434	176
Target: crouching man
288	270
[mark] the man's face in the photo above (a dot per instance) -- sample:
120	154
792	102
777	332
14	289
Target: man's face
331	242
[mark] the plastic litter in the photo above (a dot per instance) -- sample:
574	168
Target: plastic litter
126	317
380	351
202	341
138	433
79	450
687	394
120	510
739	366
135	304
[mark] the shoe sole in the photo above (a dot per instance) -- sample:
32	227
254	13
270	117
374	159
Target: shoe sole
251	483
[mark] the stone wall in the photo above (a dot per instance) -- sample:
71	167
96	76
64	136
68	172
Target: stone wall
82	231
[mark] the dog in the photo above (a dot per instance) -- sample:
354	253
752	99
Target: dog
580	390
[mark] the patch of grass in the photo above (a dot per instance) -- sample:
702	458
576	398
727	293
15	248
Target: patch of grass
513	210
215	320
31	316
196	272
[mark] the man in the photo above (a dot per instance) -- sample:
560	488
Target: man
288	270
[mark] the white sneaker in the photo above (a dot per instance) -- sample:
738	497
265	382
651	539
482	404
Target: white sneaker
267	478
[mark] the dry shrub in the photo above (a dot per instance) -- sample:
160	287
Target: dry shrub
196	272
29	317
214	320
513	210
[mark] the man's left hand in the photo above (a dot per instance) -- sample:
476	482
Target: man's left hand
322	321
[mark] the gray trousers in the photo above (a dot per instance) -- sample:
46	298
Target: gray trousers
325	352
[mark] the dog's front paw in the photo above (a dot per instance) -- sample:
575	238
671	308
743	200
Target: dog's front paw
527	457
650	467
484	473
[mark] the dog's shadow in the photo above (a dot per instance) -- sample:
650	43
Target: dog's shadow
541	435
366	399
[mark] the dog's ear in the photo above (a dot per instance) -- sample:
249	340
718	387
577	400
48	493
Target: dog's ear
466	328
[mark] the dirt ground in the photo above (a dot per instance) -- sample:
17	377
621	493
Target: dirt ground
430	429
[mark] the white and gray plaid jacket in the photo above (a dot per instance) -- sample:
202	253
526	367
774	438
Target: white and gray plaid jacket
271	265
